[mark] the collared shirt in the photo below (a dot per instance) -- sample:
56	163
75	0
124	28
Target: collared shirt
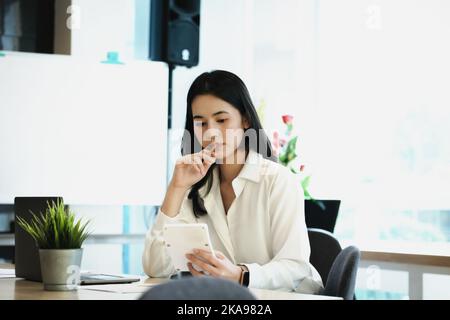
264	228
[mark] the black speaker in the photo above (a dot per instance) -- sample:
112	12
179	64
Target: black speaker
175	31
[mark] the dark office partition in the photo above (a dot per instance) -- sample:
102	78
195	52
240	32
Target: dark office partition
6	228
27	25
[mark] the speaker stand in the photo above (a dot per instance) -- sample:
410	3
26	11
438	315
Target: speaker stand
169	117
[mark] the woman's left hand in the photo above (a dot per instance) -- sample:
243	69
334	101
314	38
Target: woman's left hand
218	266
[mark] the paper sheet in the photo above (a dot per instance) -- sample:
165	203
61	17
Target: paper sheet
7	273
117	288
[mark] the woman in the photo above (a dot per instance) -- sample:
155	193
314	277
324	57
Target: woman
254	207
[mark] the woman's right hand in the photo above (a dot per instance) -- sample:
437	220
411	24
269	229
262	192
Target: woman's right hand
191	168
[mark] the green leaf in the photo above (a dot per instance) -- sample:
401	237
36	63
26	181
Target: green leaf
305	185
56	228
305	182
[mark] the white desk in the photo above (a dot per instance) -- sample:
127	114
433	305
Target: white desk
19	289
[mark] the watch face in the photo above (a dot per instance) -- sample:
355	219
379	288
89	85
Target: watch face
246	279
245	275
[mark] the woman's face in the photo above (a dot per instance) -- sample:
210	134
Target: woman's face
217	121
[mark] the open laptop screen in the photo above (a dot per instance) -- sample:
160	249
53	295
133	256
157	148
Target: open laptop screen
26	251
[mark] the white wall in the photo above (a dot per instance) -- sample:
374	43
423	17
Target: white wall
97	28
103	25
93	133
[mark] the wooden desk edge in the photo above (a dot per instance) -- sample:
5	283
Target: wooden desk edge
406	258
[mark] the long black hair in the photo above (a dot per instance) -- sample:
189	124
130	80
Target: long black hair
230	88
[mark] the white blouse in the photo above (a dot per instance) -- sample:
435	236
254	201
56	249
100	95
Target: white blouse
264	229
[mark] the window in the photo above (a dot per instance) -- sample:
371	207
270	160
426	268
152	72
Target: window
367	82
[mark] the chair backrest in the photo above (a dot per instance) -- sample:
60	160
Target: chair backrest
321	214
342	276
324	250
337	267
198	288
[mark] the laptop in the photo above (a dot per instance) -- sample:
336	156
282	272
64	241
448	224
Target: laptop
97	278
27	253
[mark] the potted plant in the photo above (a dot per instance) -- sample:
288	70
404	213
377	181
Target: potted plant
318	213
59	238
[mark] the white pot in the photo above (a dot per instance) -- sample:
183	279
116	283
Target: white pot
60	268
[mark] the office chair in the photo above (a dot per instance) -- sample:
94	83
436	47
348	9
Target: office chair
337	267
324	250
198	288
342	276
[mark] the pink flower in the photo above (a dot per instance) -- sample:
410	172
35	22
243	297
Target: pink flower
276	143
276	140
302	167
275	153
287	119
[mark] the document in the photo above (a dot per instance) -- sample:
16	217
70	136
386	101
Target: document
7	273
117	288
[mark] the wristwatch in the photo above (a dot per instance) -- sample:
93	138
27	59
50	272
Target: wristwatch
245	276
